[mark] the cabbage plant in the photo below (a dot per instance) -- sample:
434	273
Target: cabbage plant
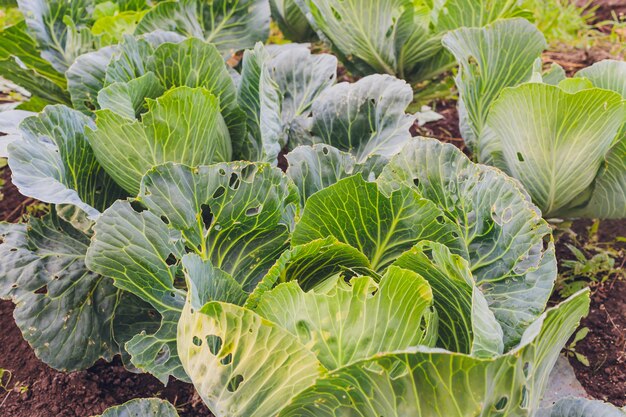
422	291
61	48
36	52
157	100
399	37
562	138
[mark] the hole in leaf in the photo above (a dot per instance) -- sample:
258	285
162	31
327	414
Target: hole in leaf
197	341
234	383
525	399
416	182
520	157
501	404
336	14
171	260
253	211
163	355
234	181
13	250
215	344
207	216
219	192
221	171
227	359
440	219
137	206
325	150
165	220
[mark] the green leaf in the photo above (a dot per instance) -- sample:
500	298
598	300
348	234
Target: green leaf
135	250
466	325
424	381
86	77
312	265
278	85
490	59
144	407
240	363
364	118
20	62
129	99
54	162
64	311
60	29
111	29
207	283
503	230
581	407
381	226
313	168
260	100
194	63
237	215
348	323
608	198
556	156
291	20
229	25
184	125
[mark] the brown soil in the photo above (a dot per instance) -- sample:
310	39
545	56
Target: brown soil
35	390
607	9
12	203
605	345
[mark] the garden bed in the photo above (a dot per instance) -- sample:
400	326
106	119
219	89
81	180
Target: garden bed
32	389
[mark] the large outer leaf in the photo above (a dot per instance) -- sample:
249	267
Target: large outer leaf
21	63
348	323
503	230
230	25
54	162
60	29
555	141
64	311
143	407
490	59
465	322
381	226
608	199
313	168
133	249
436	383
238	215
184	125
366	117
241	364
